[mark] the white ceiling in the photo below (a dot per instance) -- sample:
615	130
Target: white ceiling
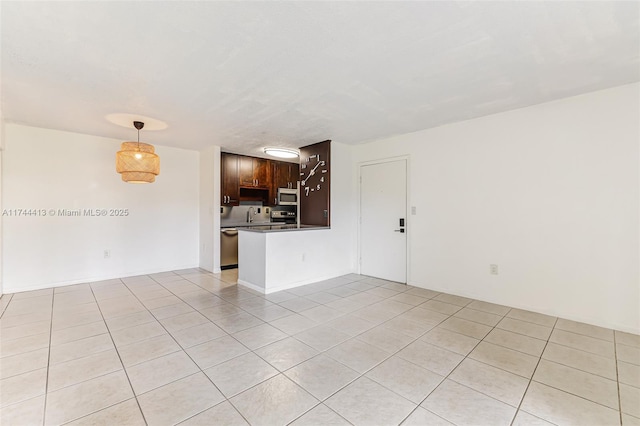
245	74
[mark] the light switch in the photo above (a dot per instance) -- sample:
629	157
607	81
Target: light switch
413	210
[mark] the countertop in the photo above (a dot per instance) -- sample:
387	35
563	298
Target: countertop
281	228
247	224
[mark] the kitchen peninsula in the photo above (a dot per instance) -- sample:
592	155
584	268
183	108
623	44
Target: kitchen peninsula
276	258
271	260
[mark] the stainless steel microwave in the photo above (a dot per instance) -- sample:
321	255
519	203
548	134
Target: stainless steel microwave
287	197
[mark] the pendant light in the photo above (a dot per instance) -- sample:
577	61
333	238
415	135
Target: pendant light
137	161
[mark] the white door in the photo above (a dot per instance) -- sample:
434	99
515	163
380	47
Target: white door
383	212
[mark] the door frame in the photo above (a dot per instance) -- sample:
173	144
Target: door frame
407	159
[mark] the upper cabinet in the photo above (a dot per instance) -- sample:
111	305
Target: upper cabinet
230	190
286	174
283	175
254	172
254	179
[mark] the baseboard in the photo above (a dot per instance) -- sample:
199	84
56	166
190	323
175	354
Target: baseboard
292	285
550	312
8	289
251	286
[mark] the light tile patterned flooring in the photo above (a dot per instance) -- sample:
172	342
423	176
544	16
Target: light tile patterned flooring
194	348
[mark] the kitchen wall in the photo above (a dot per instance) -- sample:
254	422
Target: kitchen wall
550	193
49	169
209	209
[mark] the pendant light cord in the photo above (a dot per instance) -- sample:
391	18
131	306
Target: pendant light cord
138	125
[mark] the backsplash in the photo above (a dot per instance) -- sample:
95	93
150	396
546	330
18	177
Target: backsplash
232	216
239	214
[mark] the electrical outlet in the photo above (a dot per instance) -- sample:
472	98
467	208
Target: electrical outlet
107	254
493	269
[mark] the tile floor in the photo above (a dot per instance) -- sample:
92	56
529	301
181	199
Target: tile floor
193	348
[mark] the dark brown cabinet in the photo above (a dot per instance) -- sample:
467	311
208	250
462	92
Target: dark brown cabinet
283	175
253	172
230	191
255	179
280	174
286	174
291	171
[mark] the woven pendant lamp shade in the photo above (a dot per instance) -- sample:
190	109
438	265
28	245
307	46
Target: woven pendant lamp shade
137	162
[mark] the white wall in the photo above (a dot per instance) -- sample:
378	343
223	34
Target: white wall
210	209
49	169
550	193
1	149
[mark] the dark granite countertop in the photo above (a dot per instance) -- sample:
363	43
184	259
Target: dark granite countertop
282	228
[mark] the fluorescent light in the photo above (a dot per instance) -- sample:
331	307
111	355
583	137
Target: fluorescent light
282	152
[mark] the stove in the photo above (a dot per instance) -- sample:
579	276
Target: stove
283	216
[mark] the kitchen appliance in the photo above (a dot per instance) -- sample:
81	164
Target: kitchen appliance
228	248
281	216
287	197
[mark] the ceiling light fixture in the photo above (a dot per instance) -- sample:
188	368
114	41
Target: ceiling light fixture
282	152
137	161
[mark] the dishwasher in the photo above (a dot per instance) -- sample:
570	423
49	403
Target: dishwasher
228	248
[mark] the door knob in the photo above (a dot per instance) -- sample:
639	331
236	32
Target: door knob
399	230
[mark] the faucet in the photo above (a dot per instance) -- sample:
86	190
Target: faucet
249	215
